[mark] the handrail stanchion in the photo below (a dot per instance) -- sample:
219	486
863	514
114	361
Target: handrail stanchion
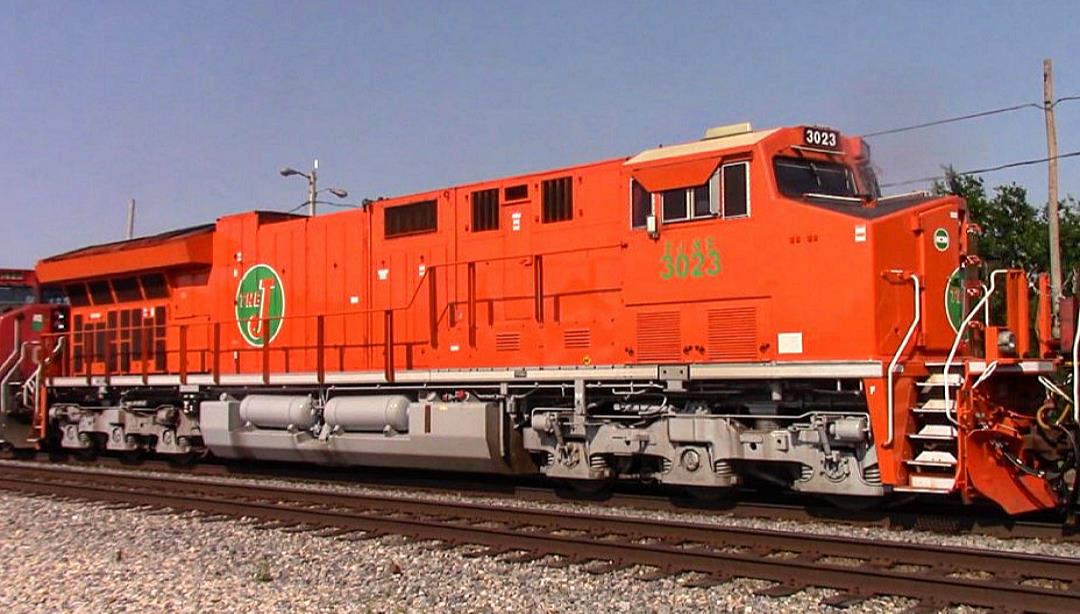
389	343
433	306
266	351
91	355
472	303
145	352
107	357
538	287
183	354
320	348
216	371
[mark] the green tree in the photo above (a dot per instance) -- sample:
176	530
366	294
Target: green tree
1015	233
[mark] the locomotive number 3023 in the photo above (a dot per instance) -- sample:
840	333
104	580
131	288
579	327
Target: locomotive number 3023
821	138
699	262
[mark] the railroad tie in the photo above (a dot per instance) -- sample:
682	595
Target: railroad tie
781	589
707	581
524	557
845	599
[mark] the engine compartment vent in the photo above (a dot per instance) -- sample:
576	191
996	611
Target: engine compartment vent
659	337
507	342
732	334
577	339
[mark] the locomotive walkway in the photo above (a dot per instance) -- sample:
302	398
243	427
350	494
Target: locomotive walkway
935	576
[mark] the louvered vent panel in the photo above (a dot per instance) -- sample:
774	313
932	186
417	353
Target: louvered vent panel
733	334
658	337
507	342
577	339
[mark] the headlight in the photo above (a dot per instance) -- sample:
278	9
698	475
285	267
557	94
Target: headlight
1006	342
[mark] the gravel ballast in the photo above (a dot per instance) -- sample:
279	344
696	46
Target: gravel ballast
83	557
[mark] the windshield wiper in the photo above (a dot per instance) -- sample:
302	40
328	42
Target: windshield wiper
921	193
845	199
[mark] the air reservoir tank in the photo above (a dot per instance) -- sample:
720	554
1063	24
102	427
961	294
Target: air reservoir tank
368	413
277	412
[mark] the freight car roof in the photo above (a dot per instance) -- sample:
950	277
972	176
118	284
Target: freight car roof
186	246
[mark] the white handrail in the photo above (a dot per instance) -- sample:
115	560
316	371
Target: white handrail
1076	366
899	351
960	335
30	385
7	366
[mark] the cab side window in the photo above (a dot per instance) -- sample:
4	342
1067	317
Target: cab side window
641	204
725	195
736	185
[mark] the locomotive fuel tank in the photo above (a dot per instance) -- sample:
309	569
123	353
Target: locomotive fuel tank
374	430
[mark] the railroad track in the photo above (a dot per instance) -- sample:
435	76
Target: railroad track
942	519
934	576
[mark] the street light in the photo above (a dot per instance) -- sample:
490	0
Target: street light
312	191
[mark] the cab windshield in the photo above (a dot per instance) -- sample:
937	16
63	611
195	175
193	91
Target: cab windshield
868	180
16	295
800	177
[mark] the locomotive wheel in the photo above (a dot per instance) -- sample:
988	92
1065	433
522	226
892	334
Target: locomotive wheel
86	455
10	452
181	461
134	457
852	503
593	489
707	494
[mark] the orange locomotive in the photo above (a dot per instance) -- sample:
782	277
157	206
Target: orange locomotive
743	307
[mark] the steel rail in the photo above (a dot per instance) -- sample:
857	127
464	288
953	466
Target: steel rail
672	548
944	519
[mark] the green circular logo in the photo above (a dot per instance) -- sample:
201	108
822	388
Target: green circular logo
941	239
954	299
260	305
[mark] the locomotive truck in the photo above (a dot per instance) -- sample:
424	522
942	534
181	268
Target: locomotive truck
747	307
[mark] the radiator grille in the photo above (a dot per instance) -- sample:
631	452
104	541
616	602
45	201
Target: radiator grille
658	337
507	342
733	334
577	339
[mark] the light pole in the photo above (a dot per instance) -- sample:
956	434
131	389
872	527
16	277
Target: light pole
312	190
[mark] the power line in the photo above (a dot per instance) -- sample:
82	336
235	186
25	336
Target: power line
323	202
960	118
983	170
953	119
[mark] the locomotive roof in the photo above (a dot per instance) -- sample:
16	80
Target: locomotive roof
186	246
701	146
116	246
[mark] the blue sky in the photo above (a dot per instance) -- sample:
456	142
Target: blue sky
191	107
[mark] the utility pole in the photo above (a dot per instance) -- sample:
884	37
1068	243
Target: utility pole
312	190
1052	196
131	219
